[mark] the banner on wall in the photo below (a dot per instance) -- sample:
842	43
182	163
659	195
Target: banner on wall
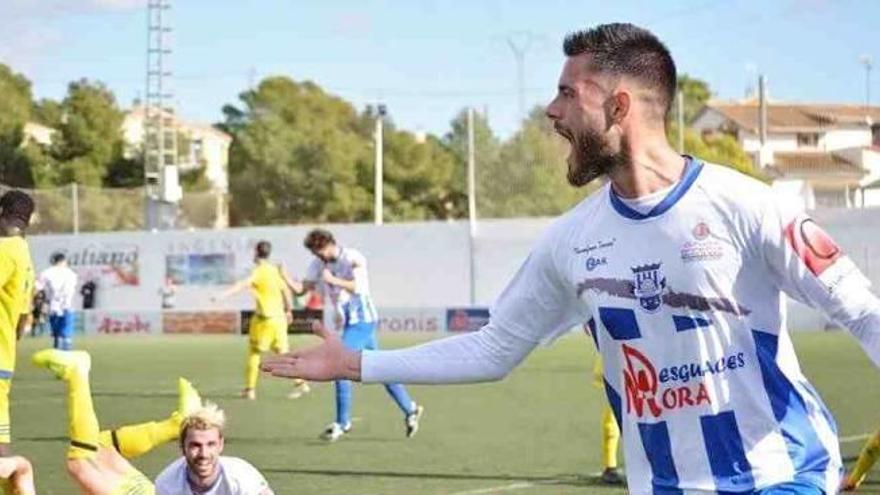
302	320
201	322
421	320
201	268
121	322
111	264
466	319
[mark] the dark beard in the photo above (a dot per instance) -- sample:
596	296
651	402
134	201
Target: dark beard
593	158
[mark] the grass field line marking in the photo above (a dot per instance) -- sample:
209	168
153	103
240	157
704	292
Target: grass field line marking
522	485
855	438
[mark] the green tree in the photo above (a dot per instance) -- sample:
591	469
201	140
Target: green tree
487	150
529	178
695	93
89	138
297	156
15	111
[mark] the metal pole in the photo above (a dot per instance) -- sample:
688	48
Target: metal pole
378	185
519	53
471	174
867	62
472	201
74	199
680	101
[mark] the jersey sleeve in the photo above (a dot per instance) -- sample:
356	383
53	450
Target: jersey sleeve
536	306
539	304
809	266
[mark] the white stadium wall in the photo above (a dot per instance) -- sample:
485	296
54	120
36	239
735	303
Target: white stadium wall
417	270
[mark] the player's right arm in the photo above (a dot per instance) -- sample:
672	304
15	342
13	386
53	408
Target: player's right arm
298	287
536	306
234	289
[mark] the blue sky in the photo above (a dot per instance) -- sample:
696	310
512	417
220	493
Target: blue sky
426	59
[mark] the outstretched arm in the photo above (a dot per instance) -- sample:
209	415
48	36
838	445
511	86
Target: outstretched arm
298	287
234	289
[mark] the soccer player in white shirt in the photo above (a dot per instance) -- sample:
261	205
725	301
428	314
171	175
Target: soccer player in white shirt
340	273
59	283
682	268
202	469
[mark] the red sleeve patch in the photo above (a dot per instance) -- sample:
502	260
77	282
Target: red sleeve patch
812	244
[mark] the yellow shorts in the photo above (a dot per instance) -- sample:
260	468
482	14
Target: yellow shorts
268	333
135	483
5	429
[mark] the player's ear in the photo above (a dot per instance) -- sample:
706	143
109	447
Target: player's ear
617	107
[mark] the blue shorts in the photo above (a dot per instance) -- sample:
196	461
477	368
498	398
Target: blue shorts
62	325
360	336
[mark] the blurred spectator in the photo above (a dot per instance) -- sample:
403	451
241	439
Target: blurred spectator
88	291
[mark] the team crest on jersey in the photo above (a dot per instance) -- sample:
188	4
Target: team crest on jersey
649	285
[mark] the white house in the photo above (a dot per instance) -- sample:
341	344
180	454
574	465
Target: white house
825	155
208	147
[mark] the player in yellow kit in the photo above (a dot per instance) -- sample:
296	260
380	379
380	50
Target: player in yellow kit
866	460
98	460
268	325
610	433
16	288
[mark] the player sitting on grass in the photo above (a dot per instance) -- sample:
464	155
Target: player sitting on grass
268	325
202	469
97	460
16	476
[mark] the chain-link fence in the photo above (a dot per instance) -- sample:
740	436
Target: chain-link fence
75	208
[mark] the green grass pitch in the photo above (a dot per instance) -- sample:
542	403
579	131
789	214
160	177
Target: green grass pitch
534	433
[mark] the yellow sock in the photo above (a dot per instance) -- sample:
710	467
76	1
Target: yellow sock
83	421
867	458
610	438
252	369
135	440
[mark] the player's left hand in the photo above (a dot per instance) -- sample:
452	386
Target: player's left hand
327	361
289	315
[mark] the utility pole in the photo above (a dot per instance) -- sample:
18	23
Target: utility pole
160	122
520	45
868	63
472	202
378	135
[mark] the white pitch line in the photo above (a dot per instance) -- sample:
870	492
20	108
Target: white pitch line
495	489
855	438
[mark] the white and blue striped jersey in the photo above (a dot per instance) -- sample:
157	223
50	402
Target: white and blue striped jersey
686	305
350	308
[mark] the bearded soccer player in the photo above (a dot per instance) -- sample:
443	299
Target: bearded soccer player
16	292
268	325
98	461
688	297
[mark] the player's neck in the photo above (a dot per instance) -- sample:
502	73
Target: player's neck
653	166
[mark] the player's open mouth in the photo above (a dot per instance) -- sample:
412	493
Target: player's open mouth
563	132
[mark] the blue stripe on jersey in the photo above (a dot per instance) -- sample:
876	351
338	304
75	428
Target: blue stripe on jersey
683	323
591	329
804	446
5	375
658	450
620	322
614	401
692	169
727	456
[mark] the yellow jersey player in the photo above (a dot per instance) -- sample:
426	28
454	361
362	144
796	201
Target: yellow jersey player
866	460
98	460
610	430
16	288
268	326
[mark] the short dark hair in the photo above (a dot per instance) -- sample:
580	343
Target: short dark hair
57	257
628	50
264	249
16	206
317	239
